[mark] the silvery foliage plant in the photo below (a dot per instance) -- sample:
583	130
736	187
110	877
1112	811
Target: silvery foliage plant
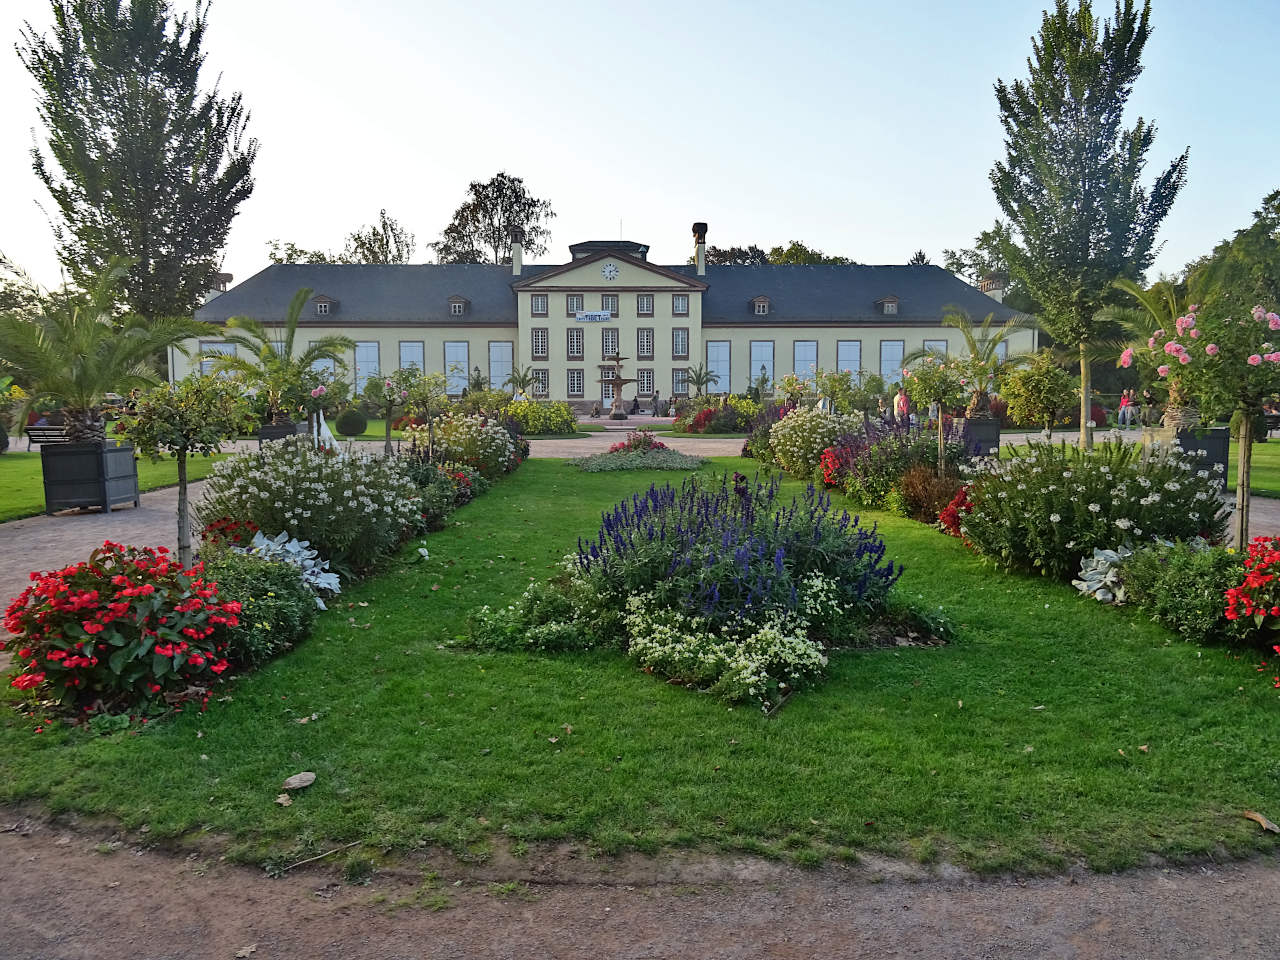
282	548
1100	575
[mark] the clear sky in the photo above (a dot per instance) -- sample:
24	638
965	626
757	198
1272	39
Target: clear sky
864	128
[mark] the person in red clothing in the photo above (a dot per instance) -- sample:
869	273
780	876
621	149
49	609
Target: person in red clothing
1125	417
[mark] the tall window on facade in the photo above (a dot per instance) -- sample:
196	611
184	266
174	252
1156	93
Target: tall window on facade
609	342
572	304
541	342
679	304
936	346
680	343
576	379
412	354
606	385
891	361
609	301
575	339
644	343
680	382
644	381
538	304
804	358
215	346
718	366
1002	351
762	359
319	366
366	363
644	304
541	382
849	357
457	365
501	355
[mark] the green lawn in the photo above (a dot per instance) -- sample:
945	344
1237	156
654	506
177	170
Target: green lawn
22	484
1053	729
376	430
576	435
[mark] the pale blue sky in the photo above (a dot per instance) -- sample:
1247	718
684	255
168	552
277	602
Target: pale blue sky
866	129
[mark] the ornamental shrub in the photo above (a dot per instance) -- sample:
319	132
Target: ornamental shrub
277	609
119	630
799	438
351	422
472	439
868	464
920	494
543	416
353	509
758	445
1048	508
1185	586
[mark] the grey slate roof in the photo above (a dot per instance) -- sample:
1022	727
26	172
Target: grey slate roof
418	294
375	293
835	292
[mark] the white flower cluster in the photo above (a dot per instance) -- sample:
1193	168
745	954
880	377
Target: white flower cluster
759	662
799	438
316	496
476	441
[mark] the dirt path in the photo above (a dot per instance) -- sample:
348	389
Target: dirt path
62	898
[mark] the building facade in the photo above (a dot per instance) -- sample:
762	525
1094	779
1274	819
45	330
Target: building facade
566	321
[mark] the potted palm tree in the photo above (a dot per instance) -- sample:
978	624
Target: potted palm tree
74	352
700	378
981	366
266	360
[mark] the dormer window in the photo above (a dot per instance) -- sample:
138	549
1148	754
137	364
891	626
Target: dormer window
888	306
760	306
322	309
458	306
324	305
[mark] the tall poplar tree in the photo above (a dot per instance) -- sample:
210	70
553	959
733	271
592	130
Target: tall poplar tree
1070	182
142	164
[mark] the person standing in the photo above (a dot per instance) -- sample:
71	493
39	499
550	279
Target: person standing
1125	414
901	405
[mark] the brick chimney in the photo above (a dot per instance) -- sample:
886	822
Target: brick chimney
993	285
700	248
517	250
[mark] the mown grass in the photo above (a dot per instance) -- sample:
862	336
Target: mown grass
22	482
1052	730
699	436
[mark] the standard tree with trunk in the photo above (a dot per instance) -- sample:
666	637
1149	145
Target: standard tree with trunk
142	164
1070	182
481	229
191	417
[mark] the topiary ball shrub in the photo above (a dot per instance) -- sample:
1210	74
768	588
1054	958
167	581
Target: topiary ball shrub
352	423
277	609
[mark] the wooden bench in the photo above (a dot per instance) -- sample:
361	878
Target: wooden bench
46	434
1273	422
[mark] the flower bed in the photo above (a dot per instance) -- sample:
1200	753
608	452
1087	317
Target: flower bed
475	440
355	510
721	586
1047	509
122	629
798	439
641	450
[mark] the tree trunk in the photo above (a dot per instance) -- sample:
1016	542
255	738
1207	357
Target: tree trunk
85	426
1244	464
1086	401
184	518
386	447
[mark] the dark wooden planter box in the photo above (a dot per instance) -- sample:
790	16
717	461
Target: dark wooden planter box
88	475
1214	441
982	437
278	431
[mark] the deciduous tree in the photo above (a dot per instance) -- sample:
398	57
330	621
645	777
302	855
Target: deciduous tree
480	231
141	162
1070	181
